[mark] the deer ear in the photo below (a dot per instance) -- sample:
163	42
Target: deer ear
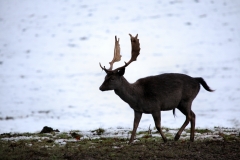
121	71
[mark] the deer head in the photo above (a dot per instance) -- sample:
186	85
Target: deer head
113	76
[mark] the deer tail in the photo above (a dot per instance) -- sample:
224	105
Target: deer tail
204	84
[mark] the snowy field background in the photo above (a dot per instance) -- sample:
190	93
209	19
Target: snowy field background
50	52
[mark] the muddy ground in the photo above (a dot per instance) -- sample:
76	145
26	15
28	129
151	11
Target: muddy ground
100	144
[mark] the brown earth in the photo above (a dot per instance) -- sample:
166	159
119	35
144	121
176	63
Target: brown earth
117	148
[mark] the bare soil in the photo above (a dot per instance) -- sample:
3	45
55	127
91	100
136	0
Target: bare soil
72	145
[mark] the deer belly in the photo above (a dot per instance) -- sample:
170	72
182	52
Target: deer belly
144	108
170	104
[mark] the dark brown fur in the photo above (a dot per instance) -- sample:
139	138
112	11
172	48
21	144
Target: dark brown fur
154	94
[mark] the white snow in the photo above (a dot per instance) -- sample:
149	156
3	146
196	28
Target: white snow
50	52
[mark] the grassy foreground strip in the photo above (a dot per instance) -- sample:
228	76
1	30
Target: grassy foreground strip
219	143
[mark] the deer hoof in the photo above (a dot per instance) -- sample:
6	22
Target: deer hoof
191	139
130	142
165	140
177	137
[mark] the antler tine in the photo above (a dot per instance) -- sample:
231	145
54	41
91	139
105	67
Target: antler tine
135	50
103	68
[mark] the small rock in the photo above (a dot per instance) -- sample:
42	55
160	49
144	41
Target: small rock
47	129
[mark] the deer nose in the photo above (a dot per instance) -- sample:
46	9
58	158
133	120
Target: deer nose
101	88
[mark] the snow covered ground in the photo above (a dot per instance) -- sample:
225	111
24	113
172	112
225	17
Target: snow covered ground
50	52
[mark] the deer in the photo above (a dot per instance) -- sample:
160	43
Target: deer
153	94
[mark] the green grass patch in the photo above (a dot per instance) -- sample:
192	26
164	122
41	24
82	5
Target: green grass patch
63	135
202	131
98	131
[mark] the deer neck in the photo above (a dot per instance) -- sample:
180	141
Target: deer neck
126	92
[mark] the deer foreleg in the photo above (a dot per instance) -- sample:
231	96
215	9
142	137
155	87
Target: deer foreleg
137	118
157	120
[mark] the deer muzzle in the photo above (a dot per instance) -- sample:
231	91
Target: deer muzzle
101	88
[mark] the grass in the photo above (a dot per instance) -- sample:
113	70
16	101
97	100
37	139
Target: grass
98	131
63	135
63	146
201	131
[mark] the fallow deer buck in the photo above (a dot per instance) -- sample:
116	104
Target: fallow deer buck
153	94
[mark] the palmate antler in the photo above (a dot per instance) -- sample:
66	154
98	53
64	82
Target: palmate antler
117	57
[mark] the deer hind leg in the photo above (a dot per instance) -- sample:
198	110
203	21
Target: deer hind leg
137	118
193	119
157	120
185	108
